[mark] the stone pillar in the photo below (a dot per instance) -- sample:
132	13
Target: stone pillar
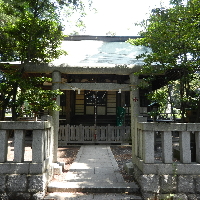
56	79
19	146
38	146
139	145
197	139
148	146
166	146
3	145
185	152
135	109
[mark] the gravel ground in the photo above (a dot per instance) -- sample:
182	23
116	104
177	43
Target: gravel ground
67	155
122	154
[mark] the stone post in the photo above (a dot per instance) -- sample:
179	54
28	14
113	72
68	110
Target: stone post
139	143
197	139
135	109
38	146
185	152
148	146
56	79
167	146
4	145
19	146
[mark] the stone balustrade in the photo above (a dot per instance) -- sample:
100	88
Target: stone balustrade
19	178
144	148
41	146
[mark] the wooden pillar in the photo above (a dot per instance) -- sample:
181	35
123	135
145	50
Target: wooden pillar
68	107
122	98
56	79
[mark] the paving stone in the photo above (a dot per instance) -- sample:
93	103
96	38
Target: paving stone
77	196
94	171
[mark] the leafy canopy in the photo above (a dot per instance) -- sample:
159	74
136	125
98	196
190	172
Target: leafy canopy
30	31
36	33
173	35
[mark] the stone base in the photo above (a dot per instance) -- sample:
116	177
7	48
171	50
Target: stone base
22	196
129	168
161	186
21	186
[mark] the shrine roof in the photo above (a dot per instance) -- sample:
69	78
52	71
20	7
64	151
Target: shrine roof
94	54
104	50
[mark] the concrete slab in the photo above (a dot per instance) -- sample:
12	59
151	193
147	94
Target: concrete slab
94	171
76	196
92	187
73	177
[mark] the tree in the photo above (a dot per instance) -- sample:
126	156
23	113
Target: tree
173	36
30	31
30	97
36	32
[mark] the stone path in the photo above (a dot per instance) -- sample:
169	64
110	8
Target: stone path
95	172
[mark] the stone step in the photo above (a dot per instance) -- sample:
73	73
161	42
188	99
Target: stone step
93	187
58	168
87	175
107	196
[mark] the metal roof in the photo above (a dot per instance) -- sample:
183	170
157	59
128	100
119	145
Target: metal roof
94	55
94	52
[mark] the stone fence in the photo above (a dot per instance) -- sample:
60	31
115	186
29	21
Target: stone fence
162	155
21	179
91	134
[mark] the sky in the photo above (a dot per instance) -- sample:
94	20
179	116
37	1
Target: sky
117	16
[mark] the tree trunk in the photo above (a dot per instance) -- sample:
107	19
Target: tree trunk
14	111
182	102
198	112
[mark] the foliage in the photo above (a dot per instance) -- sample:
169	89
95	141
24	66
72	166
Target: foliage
29	96
173	36
36	33
159	96
74	13
30	31
36	98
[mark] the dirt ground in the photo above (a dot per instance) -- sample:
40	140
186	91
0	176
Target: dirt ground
122	154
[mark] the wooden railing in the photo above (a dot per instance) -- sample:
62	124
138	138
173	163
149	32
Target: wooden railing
144	144
40	146
88	134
